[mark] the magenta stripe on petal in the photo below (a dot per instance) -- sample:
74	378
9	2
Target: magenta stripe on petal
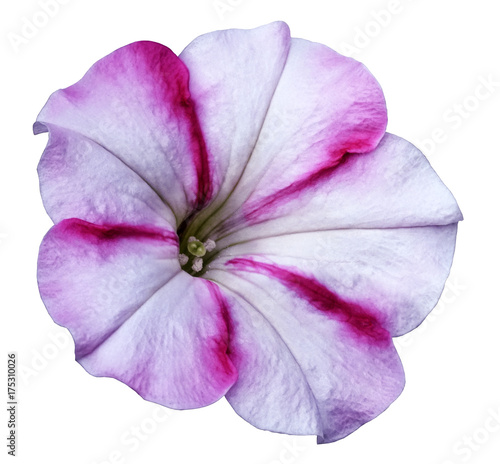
224	349
76	229
200	157
163	63
267	205
360	320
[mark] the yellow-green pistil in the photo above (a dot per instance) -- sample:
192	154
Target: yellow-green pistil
196	248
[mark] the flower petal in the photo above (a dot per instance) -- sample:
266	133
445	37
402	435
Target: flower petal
401	272
233	76
393	186
135	103
134	315
79	178
324	106
309	362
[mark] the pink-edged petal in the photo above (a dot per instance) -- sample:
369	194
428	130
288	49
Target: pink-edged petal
134	315
309	362
79	178
324	106
135	103
393	186
233	76
401	272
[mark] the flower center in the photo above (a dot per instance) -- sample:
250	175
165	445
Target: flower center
191	256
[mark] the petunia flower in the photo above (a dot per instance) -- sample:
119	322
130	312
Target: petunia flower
236	222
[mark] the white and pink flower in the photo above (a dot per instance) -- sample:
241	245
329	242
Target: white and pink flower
192	199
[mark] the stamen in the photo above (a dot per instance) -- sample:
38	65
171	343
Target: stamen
197	265
209	245
183	259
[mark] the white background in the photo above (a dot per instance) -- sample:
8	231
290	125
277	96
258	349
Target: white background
430	57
